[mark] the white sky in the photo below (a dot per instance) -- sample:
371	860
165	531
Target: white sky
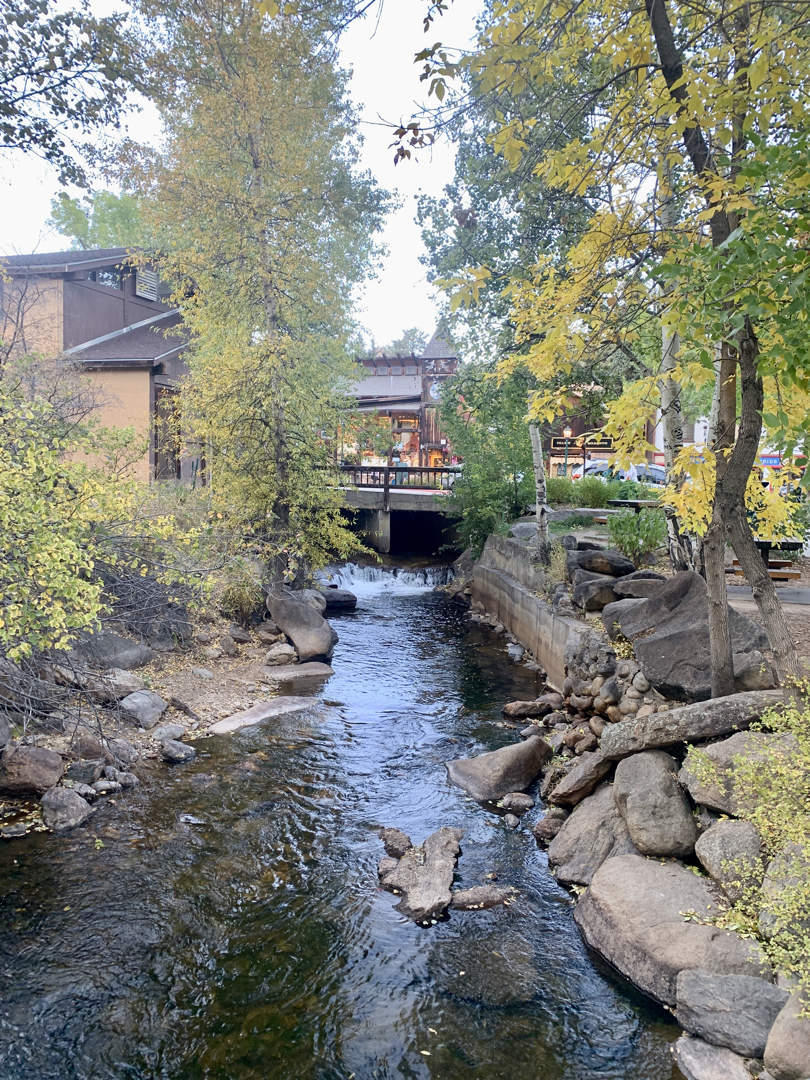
385	86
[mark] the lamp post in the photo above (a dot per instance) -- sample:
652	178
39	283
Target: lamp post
566	436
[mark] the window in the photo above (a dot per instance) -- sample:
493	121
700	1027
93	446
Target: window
111	279
410	369
396	371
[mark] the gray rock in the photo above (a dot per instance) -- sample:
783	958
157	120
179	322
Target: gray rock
532	729
29	770
550	824
339	600
84	790
289	672
268	633
594	595
515	652
168	731
610	691
123	751
106	787
636	588
493	775
396	842
105	650
789	870
144	707
314	597
263	710
517	802
687	724
202	673
239	635
731	854
631	915
736	1011
177	753
85	772
386	865
654	807
64	809
279	654
511	821
698	1060
580	780
306	628
708	772
115	684
594	832
521	710
670	635
787	1055
424	876
228	646
5	733
127	779
599	562
479	896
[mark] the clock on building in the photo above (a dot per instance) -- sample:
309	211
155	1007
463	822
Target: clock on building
435	391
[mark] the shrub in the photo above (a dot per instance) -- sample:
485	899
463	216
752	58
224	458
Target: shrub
557	563
591	491
637	535
559	490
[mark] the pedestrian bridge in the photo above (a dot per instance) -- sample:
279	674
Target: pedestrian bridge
388	498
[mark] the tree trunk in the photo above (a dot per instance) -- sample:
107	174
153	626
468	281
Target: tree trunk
732	496
540	492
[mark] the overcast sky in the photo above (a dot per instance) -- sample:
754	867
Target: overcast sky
385	86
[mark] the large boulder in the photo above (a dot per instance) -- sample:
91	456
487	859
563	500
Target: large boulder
64	809
737	1011
594	594
339	599
670	635
512	768
595	831
653	805
601	561
144	707
303	624
787	872
631	914
636	588
730	852
29	770
580	780
699	1060
106	650
263	710
787	1054
424	876
114	684
709	772
688	724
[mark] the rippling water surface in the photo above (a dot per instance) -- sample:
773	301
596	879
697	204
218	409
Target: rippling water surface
231	926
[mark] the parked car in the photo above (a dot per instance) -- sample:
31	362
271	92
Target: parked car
646	473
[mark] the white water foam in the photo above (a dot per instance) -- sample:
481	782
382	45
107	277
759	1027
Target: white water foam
368	580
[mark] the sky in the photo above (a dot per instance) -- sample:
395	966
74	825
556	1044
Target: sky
385	85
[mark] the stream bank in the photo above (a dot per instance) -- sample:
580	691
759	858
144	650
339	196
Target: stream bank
224	920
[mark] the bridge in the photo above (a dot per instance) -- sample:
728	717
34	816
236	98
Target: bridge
386	499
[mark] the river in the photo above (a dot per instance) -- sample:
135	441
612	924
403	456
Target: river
225	921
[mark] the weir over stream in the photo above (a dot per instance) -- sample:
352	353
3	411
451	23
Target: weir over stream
225	921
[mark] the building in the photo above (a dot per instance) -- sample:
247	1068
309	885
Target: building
407	390
99	310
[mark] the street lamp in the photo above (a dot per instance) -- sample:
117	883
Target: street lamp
566	435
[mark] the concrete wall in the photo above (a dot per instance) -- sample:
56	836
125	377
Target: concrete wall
505	581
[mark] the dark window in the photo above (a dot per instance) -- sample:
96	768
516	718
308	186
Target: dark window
112	279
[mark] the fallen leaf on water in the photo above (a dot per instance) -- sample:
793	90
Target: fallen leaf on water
425	1053
433	1031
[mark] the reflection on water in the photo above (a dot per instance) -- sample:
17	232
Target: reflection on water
231	926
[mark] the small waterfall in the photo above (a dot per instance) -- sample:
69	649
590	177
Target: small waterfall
375	579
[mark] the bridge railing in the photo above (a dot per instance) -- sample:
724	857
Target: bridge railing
399	476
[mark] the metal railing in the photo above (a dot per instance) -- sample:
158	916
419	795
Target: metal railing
385	477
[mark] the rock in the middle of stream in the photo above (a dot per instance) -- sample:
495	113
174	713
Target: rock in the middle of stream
424	875
510	769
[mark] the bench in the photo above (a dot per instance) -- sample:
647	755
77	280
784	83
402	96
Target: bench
775	573
600	519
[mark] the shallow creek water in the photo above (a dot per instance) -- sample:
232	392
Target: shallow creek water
231	926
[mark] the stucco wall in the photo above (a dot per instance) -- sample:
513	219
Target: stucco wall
127	402
32	315
504	582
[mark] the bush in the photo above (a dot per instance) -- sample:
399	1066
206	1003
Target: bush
637	535
559	490
591	491
558	563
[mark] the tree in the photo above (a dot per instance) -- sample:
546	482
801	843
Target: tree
683	119
101	219
413	341
60	73
264	224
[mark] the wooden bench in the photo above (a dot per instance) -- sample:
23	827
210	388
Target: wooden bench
775	573
600	519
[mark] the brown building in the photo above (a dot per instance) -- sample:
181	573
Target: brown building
407	390
100	311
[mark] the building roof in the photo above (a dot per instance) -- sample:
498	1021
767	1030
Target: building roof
65	262
439	348
143	341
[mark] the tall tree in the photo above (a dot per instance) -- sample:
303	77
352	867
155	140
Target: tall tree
264	223
102	219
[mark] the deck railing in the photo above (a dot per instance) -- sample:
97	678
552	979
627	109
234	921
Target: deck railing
399	476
